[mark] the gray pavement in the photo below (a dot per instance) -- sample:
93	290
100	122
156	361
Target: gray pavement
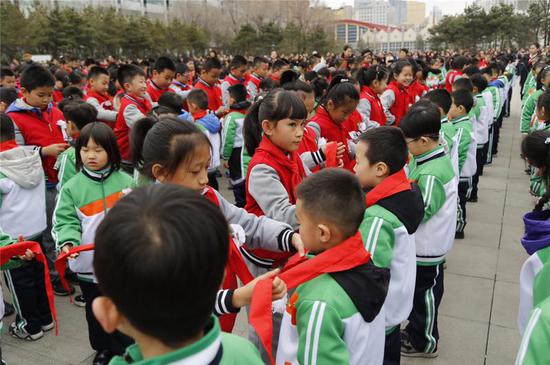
477	320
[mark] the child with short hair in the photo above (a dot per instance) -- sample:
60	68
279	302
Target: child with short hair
394	211
82	204
7	78
161	79
23	214
182	251
457	65
98	96
208	81
434	174
467	146
260	69
490	73
277	68
180	83
395	99
7	96
237	68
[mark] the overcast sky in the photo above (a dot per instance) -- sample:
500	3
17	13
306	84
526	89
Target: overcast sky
448	7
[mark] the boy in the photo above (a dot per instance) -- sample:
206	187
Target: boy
436	178
394	210
277	69
467	146
135	104
98	97
36	124
180	83
260	69
490	73
345	306
233	141
7	78
211	126
457	66
23	214
237	68
7	96
208	82
138	295
163	73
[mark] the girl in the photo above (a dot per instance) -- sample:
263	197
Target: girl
273	131
173	151
530	106
335	120
373	81
541	122
82	204
395	99
418	87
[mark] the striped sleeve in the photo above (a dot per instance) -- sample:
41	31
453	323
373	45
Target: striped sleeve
224	302
433	194
379	239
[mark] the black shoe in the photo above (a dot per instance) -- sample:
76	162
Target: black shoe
8	309
59	290
408	350
79	301
102	357
459	235
473	199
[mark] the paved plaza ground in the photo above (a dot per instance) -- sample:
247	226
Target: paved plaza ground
477	320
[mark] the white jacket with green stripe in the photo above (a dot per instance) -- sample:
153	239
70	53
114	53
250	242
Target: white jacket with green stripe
436	178
82	204
534	345
387	230
336	318
65	166
481	117
467	146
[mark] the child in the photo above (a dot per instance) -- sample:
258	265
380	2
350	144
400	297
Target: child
373	82
542	122
490	73
333	115
135	104
208	82
394	210
530	85
434	173
23	214
534	345
160	81
61	81
347	305
434	76
171	234
418	87
277	69
467	146
233	141
82	204
7	78
395	99
180	83
98	97
237	68
529	108
457	65
260	69
7	96
273	130
211	125
77	114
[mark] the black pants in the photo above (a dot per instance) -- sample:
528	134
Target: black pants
490	143
392	347
480	161
508	102
496	136
464	192
239	191
422	328
212	180
100	340
26	284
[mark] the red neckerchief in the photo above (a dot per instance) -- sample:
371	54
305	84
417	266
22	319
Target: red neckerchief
101	97
143	102
8	145
198	115
397	85
391	185
345	256
18	249
61	264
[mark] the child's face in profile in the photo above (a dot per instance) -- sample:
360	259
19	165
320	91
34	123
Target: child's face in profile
40	97
94	156
262	70
137	86
368	175
310	232
100	84
163	79
378	86
455	111
211	76
285	134
341	112
239	71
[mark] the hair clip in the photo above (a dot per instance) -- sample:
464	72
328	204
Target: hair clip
547	140
259	98
344	80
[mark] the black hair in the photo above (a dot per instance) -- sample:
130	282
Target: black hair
8	95
340	91
72	93
278	64
168	142
7	129
441	98
74	78
199	98
237	61
5	71
490	69
422	120
310	76
164	63
459	62
267	84
289	76
398	67
471	70
89	62
181	68
103	136
97	71
404	50
63	77
544	102
237	92
536	44
479	81
298	86
210	64
542	75
366	76
79	112
320	86
172	101
276	105
386	144
35	76
463	98
126	73
335	196
324	72
463	83
258	60
536	150
153	237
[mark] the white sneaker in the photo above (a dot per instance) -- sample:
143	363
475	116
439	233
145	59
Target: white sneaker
22	334
48	327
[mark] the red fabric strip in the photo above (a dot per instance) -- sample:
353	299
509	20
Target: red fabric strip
8	145
330	154
61	264
393	184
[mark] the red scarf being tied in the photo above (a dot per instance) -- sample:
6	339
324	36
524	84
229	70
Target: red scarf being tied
61	264
345	256
393	184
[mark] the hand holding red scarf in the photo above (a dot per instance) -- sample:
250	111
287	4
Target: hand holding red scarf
61	264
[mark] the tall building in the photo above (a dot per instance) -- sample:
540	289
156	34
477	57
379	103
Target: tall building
374	11
519	5
416	13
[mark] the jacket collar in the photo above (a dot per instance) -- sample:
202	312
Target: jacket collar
460	119
20	105
98	176
430	155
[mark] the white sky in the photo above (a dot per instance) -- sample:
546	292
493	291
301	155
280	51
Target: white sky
447	6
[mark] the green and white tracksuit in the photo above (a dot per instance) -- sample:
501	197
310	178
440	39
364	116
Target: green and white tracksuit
481	117
529	87
447	139
536	340
214	348
536	182
497	102
466	146
529	108
336	319
233	143
82	204
65	166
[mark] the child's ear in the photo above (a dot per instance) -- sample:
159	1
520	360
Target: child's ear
158	172
267	127
382	169
106	313
324	233
24	91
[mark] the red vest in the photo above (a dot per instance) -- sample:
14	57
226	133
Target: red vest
41	131
214	94
401	103
254	79
450	78
105	101
154	91
232	80
57	95
376	109
416	90
122	131
308	144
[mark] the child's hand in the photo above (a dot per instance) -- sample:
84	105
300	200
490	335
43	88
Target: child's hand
243	295
222	110
298	244
66	249
28	256
226	164
54	149
340	150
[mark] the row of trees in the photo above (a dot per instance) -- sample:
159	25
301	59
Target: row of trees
99	32
500	27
